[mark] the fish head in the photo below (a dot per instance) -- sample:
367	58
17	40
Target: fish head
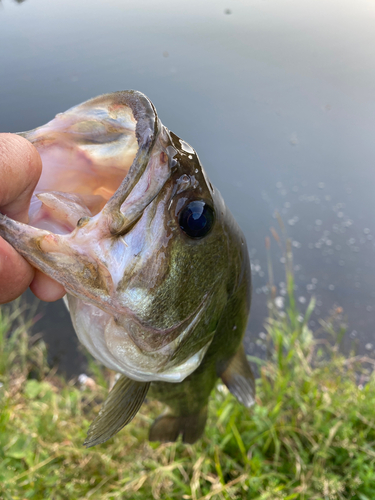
125	218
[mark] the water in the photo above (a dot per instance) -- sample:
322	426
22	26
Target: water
278	99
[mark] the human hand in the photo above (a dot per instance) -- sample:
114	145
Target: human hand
20	169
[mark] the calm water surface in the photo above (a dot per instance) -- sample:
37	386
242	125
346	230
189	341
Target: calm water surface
277	97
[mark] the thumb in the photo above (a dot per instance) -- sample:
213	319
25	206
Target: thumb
20	167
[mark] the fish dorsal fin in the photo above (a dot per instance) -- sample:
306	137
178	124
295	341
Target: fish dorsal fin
120	407
239	378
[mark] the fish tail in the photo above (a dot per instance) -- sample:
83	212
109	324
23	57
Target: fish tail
168	427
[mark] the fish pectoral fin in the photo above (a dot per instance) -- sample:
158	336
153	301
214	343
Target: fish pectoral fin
239	378
120	407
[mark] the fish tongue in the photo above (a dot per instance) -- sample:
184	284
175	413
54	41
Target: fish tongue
120	407
60	212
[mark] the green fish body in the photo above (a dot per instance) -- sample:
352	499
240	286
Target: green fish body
155	267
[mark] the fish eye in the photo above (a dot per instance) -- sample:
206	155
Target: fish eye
197	219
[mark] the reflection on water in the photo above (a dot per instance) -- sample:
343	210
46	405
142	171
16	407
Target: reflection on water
278	98
17	1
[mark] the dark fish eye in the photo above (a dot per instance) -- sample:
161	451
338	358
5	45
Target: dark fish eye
197	219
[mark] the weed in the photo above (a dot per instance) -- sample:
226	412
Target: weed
311	435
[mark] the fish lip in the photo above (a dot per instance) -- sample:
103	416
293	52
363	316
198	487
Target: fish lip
149	131
146	130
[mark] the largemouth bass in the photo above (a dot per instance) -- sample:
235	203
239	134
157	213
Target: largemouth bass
155	267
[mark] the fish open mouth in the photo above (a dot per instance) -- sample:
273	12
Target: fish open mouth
93	155
104	161
80	152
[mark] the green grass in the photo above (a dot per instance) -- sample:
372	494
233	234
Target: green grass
310	436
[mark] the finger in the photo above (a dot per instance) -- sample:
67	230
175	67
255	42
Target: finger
16	274
45	288
20	166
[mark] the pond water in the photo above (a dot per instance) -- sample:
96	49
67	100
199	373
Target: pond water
278	99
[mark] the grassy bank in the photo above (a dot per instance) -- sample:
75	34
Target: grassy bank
310	436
